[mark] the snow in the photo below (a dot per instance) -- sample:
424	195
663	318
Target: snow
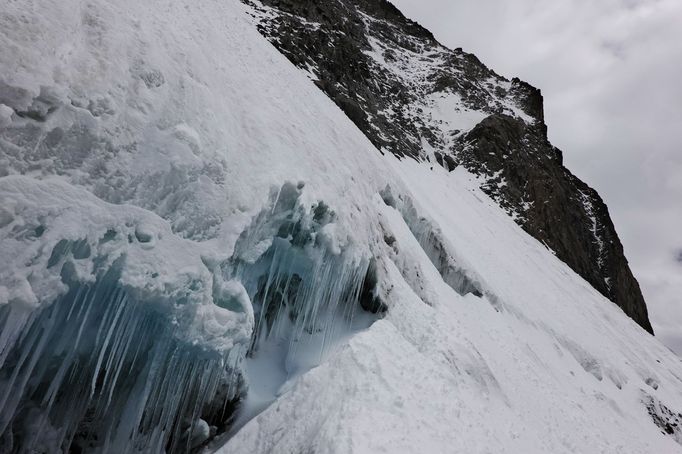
540	363
174	193
599	241
142	149
447	110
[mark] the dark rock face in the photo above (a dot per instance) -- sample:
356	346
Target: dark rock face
415	98
384	70
669	421
525	171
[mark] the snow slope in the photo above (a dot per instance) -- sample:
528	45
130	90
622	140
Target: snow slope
167	171
540	363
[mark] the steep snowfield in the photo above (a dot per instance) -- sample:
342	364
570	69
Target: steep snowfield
540	363
175	193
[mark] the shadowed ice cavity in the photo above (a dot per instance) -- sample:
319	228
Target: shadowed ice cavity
99	371
105	369
308	294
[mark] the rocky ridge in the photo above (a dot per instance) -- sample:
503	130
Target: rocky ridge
415	98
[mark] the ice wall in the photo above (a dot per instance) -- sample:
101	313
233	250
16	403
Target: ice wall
129	338
115	343
97	370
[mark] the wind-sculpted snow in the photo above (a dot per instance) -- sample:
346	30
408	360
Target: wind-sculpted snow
431	240
201	251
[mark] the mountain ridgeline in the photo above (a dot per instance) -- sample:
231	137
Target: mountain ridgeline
417	99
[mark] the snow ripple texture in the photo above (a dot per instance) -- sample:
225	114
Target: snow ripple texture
200	251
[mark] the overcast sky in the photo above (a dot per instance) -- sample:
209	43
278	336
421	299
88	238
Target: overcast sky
611	75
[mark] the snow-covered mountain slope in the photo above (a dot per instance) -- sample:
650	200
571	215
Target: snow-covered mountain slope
412	96
539	363
201	251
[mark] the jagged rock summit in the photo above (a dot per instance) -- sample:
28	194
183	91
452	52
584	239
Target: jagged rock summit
413	97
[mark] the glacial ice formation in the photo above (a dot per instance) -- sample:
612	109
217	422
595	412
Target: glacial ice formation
140	230
194	239
303	281
98	369
124	358
431	240
105	349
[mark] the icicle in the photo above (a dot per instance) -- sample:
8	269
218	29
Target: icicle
106	373
301	293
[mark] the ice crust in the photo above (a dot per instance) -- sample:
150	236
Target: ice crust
194	239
